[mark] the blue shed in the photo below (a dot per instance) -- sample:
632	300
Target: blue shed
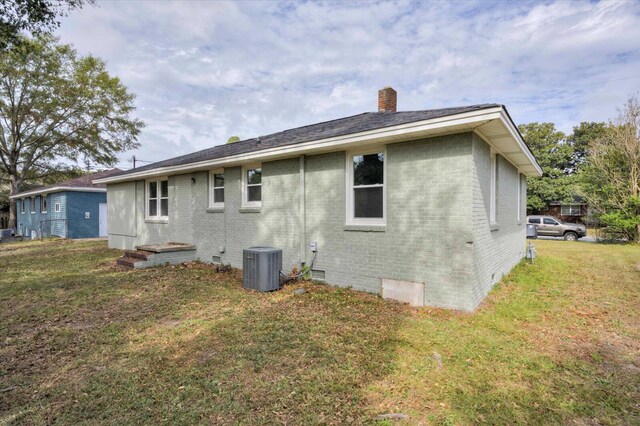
75	208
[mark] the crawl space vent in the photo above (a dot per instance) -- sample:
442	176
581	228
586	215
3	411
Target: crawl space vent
317	274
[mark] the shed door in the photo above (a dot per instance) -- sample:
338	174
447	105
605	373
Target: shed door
102	229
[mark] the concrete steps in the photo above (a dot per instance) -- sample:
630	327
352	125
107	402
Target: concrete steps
127	262
138	254
146	256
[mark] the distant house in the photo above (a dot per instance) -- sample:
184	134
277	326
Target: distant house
574	212
426	207
75	208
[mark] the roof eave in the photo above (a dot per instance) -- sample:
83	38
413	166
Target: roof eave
451	124
53	189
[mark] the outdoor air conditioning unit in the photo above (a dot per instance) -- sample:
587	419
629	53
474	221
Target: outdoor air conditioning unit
261	268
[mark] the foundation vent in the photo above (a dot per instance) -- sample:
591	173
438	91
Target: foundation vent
317	274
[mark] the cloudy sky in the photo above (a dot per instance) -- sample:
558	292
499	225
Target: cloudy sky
205	70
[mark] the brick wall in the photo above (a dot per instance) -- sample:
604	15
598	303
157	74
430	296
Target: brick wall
497	249
436	233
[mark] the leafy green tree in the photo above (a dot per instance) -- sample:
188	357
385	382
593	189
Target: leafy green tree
554	155
561	157
32	16
233	139
582	137
610	180
56	105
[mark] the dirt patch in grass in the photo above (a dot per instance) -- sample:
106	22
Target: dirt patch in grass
84	341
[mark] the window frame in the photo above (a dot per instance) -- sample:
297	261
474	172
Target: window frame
32	205
158	217
519	205
571	206
493	189
43	203
212	194
351	220
23	206
56	207
245	185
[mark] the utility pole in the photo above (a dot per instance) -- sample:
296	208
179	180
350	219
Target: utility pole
136	160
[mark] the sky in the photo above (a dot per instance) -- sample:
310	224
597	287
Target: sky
203	71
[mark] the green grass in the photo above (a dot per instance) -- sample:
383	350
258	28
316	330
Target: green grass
84	342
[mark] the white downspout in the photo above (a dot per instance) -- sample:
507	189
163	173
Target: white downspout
303	213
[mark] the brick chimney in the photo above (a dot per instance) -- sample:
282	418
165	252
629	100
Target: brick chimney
387	100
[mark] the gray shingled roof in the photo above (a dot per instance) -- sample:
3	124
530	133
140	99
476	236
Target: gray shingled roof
340	127
84	181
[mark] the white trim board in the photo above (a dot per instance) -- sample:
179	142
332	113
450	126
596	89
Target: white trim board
458	123
48	191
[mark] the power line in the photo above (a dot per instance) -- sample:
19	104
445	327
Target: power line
135	160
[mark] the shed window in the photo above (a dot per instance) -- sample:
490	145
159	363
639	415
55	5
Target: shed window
216	189
23	206
32	205
56	207
158	199
571	210
366	189
43	204
252	187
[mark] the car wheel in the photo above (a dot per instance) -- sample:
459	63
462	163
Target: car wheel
571	236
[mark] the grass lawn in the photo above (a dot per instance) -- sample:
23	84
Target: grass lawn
82	341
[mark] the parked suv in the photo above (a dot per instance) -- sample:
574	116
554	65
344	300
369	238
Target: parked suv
551	227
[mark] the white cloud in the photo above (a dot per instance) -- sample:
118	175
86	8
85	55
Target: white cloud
204	71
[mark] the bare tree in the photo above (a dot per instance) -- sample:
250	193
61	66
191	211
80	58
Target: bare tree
611	180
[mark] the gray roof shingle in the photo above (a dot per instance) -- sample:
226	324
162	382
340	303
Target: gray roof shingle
339	127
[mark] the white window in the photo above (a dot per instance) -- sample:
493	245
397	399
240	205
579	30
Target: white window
56	207
366	197
32	205
23	207
158	199
43	204
519	205
252	186
570	210
216	188
493	183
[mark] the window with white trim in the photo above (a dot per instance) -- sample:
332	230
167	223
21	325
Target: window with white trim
493	189
32	205
56	207
158	199
366	188
571	210
23	206
216	188
252	186
519	204
43	204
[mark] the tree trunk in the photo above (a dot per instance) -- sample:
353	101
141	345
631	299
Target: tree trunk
13	189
